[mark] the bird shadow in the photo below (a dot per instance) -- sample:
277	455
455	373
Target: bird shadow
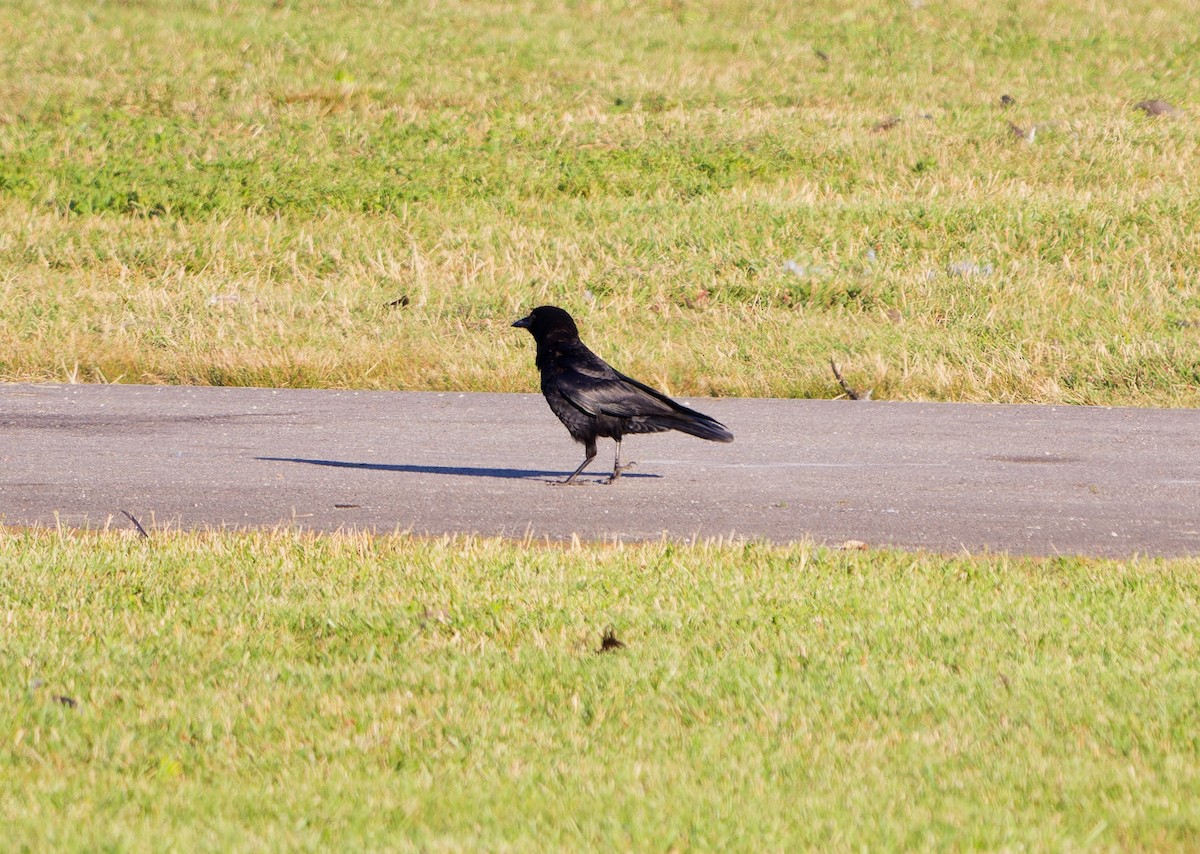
460	471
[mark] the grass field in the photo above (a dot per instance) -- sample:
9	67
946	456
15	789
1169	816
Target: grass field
207	192
365	194
272	691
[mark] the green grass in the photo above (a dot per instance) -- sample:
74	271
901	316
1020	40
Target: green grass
231	194
279	691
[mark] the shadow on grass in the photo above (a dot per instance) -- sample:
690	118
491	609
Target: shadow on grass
460	471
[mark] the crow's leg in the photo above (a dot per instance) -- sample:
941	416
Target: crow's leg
617	467
590	451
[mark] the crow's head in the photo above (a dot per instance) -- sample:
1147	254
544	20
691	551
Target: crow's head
548	321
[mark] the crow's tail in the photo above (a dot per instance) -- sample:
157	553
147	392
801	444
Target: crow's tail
676	416
697	424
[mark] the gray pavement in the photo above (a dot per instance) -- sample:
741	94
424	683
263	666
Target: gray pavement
945	477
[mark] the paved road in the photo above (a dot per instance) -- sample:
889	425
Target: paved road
946	477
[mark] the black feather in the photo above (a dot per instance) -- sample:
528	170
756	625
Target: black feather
593	400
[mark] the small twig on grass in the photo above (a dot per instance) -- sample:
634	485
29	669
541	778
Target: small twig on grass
136	524
851	393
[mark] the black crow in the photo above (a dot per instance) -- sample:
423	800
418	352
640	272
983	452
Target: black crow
591	399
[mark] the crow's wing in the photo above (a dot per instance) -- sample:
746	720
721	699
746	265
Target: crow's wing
595	388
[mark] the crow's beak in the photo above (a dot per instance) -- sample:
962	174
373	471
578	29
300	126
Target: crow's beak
524	322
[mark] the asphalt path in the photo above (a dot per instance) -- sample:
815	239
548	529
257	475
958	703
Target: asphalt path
1038	480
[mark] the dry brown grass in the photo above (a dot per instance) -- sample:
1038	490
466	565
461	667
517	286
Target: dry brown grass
250	193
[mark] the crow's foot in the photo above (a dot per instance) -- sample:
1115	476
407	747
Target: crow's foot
620	470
